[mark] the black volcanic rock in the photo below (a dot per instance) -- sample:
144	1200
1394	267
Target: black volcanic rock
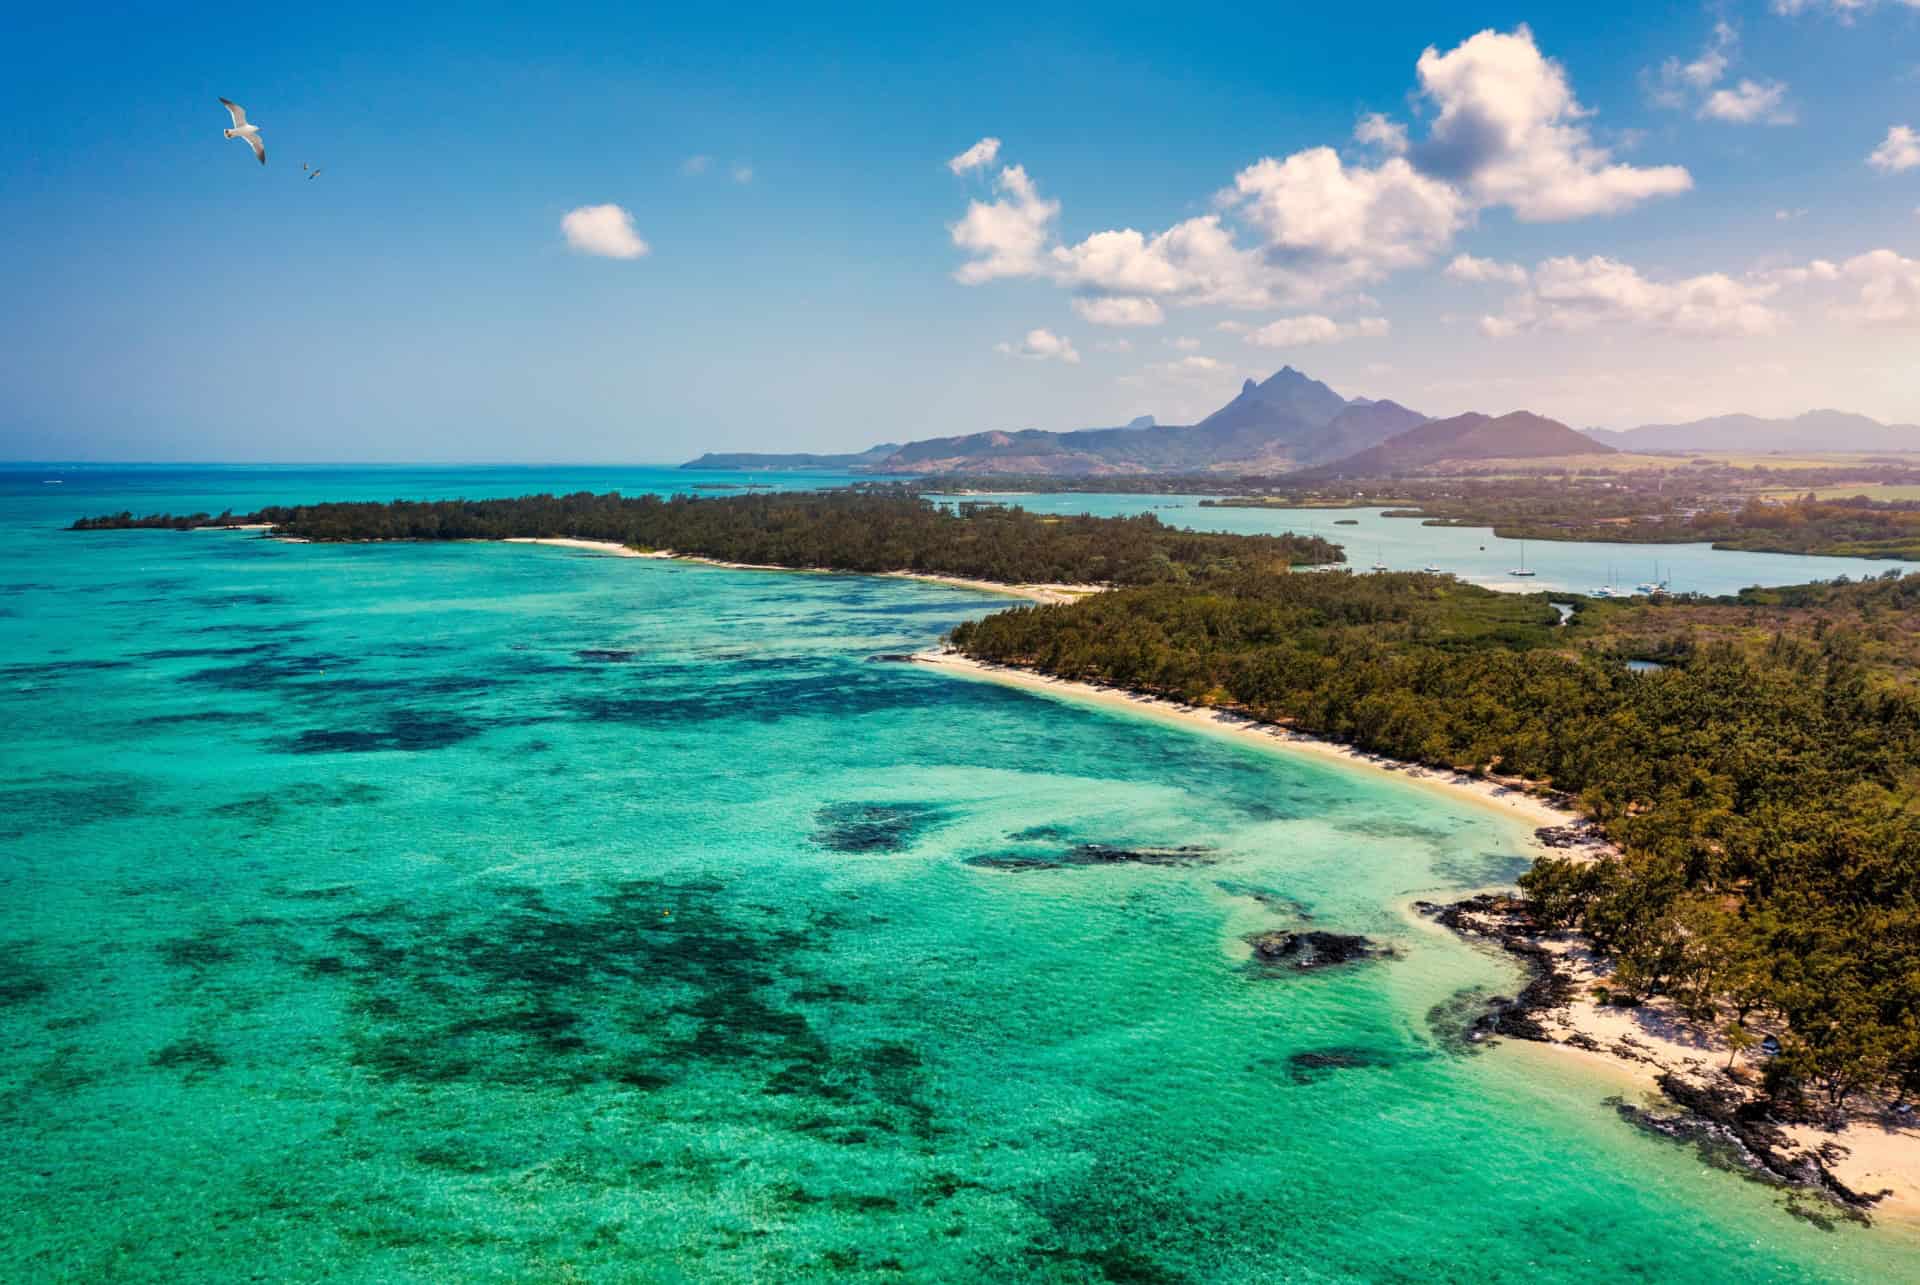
1311	950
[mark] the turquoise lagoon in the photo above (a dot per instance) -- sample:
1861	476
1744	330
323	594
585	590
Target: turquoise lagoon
1476	555
481	912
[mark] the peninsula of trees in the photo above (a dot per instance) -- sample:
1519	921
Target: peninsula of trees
884	530
1762	786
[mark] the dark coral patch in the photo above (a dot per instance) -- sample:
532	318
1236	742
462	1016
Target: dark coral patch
402	731
1313	1064
189	1055
20	981
875	827
1094	854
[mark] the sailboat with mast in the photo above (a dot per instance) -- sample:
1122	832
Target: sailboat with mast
1522	569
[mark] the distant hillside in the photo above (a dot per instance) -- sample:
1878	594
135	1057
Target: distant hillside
1817	430
747	462
1275	426
1473	436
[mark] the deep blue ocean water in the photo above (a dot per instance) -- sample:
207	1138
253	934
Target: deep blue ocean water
484	912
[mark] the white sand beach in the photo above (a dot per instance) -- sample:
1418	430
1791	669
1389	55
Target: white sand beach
1510	798
1042	593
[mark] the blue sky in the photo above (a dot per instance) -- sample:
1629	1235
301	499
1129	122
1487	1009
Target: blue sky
1704	209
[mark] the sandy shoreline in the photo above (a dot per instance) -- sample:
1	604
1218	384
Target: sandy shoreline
1872	1152
1881	1153
1043	593
1634	1046
1508	799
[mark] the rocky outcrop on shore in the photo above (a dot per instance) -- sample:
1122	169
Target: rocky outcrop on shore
1734	1126
1307	951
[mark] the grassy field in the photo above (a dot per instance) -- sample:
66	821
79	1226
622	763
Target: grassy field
1631	463
1872	490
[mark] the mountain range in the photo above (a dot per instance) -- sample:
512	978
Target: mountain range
1292	423
1818	430
1286	422
1473	436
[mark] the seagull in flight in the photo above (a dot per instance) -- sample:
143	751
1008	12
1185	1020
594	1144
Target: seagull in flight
311	173
251	133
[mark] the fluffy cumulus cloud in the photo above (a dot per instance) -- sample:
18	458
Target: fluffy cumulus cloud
977	157
1120	310
1884	286
1576	294
1194	262
1008	236
1355	223
1042	345
1750	102
1377	130
1696	82
604	230
1698	74
1900	150
1509	132
1467	268
1305	331
1311	227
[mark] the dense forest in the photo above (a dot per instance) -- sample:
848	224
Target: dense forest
1616	512
881	530
1762	789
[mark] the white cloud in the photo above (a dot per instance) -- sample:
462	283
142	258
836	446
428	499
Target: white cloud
1787	216
1192	367
1120	310
1115	345
1748	103
1575	294
1377	130
1817	270
1509	133
743	173
1900	150
1185	343
1042	345
1309	228
977	157
696	165
1300	332
1007	237
1348	224
1844	10
1193	262
605	230
1889	289
1467	268
1700	74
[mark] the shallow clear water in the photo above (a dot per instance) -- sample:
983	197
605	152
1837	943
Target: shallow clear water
1475	554
492	912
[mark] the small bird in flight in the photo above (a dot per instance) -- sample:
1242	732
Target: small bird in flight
311	173
251	133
